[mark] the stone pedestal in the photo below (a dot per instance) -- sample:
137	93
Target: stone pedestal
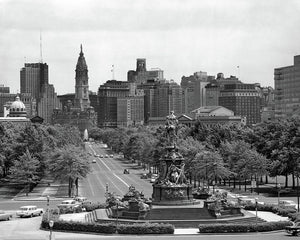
172	195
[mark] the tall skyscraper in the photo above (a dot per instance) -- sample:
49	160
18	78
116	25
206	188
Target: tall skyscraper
82	100
32	78
287	89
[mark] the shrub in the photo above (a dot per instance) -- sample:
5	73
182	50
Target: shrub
80	226
243	227
146	228
92	206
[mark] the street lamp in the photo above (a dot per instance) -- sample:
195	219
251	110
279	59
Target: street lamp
278	193
51	223
48	199
256	212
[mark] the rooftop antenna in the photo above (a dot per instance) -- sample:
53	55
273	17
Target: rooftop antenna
41	52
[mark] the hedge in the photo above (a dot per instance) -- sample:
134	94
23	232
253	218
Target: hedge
136	228
282	211
93	206
146	228
243	227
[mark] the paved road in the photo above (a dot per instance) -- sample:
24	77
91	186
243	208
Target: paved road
110	171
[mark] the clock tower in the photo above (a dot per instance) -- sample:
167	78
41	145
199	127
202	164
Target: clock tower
81	100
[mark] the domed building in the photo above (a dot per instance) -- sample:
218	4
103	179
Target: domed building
17	109
17	112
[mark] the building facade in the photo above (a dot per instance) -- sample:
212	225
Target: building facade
32	78
243	100
287	89
81	100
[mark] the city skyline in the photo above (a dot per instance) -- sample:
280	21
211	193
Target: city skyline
179	37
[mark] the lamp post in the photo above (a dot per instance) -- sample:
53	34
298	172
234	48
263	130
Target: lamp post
256	212
51	223
278	193
117	217
48	200
297	192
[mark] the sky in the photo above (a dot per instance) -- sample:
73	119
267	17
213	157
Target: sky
245	38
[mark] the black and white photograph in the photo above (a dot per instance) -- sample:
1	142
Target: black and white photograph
146	119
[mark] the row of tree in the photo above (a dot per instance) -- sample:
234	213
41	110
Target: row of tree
219	152
29	152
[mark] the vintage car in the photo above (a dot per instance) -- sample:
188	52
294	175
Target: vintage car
29	211
5	216
294	229
69	204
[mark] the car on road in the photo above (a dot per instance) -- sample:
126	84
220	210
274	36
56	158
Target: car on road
29	211
101	156
70	204
126	171
4	215
242	200
106	155
111	155
294	229
287	203
81	199
94	161
153	178
144	176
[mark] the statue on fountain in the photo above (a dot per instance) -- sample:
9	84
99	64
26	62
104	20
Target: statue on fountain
171	187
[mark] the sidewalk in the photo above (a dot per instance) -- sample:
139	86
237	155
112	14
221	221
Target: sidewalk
55	190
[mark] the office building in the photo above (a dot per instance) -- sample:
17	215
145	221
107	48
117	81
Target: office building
32	78
287	90
243	99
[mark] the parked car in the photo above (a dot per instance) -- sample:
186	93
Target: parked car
29	211
101	156
144	176
5	216
94	161
69	204
153	178
245	200
287	203
81	199
294	229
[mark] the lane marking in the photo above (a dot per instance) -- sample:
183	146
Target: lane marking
91	186
121	180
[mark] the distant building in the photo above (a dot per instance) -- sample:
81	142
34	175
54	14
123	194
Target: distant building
120	104
161	97
141	75
194	90
34	80
212	115
108	95
76	109
17	112
267	103
243	99
287	90
209	116
7	98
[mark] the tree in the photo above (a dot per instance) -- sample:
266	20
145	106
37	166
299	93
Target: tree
69	163
25	170
210	166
